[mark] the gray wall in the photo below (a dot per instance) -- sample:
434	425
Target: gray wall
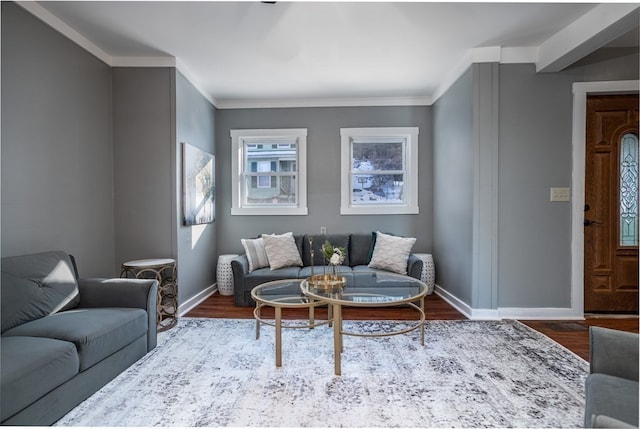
453	188
195	124
90	159
57	157
535	154
90	165
504	211
323	174
144	135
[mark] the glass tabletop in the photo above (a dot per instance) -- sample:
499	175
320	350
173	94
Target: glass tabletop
284	293
370	289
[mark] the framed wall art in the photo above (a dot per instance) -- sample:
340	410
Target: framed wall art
198	186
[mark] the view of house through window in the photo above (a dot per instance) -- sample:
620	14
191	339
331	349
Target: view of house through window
269	171
379	170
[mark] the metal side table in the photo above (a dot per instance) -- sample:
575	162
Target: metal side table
165	272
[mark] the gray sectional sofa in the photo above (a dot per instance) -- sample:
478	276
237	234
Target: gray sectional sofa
611	388
359	247
64	337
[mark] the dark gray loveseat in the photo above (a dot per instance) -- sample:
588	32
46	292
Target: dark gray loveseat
359	248
611	388
63	338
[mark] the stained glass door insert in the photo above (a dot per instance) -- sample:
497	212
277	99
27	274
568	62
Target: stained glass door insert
629	190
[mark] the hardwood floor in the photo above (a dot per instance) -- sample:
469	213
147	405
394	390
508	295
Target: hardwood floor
572	334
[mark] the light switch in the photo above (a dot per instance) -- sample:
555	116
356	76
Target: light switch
560	194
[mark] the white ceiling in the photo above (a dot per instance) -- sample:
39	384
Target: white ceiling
252	53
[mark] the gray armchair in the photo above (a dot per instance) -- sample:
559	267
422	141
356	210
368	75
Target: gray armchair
612	385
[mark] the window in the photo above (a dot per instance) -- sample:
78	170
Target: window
379	171
269	172
629	190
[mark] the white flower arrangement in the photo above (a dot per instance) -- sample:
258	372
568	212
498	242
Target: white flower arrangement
334	255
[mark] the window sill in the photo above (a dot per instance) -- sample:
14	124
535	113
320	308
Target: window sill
269	211
378	210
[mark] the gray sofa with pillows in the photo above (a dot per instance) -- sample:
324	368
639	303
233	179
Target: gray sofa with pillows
286	256
611	388
64	337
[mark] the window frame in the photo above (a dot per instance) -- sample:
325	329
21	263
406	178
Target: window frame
240	138
410	163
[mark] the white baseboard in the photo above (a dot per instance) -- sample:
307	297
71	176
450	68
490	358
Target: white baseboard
453	301
539	313
193	302
521	313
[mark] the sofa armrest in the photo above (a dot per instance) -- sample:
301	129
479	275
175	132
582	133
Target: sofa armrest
613	352
240	264
601	421
240	268
131	293
414	266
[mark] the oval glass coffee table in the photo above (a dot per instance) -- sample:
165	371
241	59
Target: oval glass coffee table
281	294
368	289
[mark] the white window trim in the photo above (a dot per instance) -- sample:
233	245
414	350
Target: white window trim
237	136
411	165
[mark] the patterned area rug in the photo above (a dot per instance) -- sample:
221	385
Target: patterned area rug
213	372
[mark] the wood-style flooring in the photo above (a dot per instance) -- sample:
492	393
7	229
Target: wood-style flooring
572	334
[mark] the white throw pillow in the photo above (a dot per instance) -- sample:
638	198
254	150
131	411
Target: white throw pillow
391	253
282	251
257	256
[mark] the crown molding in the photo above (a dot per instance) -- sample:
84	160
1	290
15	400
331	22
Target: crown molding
143	62
487	54
322	102
186	72
558	49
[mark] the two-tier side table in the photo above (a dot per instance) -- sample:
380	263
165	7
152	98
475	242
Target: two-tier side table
165	272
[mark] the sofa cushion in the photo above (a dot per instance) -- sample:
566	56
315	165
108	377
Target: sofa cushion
96	332
256	255
36	285
336	240
391	252
611	396
360	248
282	251
268	274
31	367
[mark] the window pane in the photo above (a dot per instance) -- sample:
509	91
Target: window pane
379	169
269	171
378	156
377	188
278	190
629	190
270	178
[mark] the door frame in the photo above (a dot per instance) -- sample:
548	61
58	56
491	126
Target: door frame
580	92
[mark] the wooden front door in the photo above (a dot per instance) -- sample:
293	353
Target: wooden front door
611	205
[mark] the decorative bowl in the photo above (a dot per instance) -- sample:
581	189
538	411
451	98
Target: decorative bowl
326	281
